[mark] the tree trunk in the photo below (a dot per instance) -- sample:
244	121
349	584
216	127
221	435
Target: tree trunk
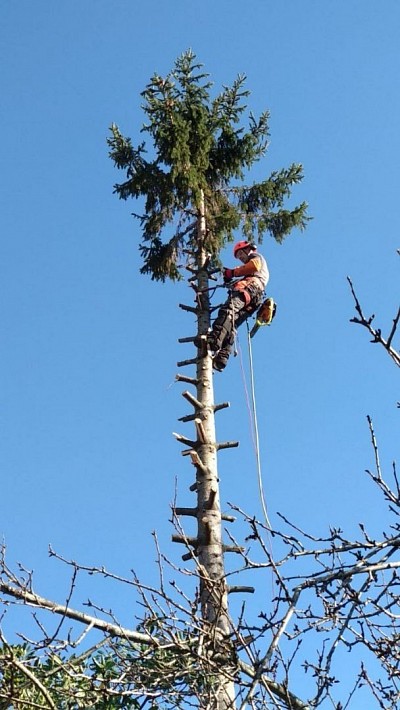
213	588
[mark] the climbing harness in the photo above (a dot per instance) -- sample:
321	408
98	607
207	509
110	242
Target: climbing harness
244	300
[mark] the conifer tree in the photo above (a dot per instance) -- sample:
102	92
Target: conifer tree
194	203
338	595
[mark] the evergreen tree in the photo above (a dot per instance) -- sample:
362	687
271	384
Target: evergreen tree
194	203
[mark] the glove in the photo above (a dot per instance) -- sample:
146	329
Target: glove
228	274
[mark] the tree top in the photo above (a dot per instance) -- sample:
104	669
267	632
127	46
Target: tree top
201	151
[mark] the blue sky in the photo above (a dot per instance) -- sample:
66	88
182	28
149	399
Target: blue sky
89	347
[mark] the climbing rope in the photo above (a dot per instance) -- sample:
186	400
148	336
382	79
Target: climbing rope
252	409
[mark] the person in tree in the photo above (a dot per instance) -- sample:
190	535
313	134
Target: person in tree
245	296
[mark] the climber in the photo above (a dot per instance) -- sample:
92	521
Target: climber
245	296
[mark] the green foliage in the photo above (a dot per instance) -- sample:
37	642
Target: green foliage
121	675
200	151
67	683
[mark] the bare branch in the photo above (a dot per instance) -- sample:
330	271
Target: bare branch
32	599
376	333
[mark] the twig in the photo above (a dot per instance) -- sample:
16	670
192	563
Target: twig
376	332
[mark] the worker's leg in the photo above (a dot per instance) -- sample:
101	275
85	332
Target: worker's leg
223	326
240	312
256	297
226	329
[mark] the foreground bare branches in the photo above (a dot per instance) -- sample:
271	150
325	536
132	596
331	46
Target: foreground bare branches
349	598
377	337
326	635
335	605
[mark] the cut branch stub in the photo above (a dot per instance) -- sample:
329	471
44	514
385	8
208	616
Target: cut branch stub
233	548
227	445
184	440
184	378
192	399
183	363
192	541
211	500
196	460
189	339
201	434
185	511
190	309
223	405
188	418
242	590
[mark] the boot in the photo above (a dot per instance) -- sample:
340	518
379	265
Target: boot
217	338
220	359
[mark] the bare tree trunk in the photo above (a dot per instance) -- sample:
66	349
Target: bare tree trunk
213	588
208	545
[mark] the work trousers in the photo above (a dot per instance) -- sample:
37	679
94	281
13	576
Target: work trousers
230	316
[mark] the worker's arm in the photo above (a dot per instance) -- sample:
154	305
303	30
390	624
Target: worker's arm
248	269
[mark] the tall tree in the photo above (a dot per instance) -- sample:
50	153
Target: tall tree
195	200
335	598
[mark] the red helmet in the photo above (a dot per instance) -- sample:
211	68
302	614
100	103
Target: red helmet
241	245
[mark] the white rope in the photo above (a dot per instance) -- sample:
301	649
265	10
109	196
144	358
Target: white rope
255	430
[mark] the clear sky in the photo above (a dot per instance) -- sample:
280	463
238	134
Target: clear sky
89	347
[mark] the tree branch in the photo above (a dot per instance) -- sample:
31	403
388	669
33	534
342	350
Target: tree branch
376	332
32	599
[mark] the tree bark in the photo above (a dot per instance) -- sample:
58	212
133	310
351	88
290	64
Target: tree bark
213	587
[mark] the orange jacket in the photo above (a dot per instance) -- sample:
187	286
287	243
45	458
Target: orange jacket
256	266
